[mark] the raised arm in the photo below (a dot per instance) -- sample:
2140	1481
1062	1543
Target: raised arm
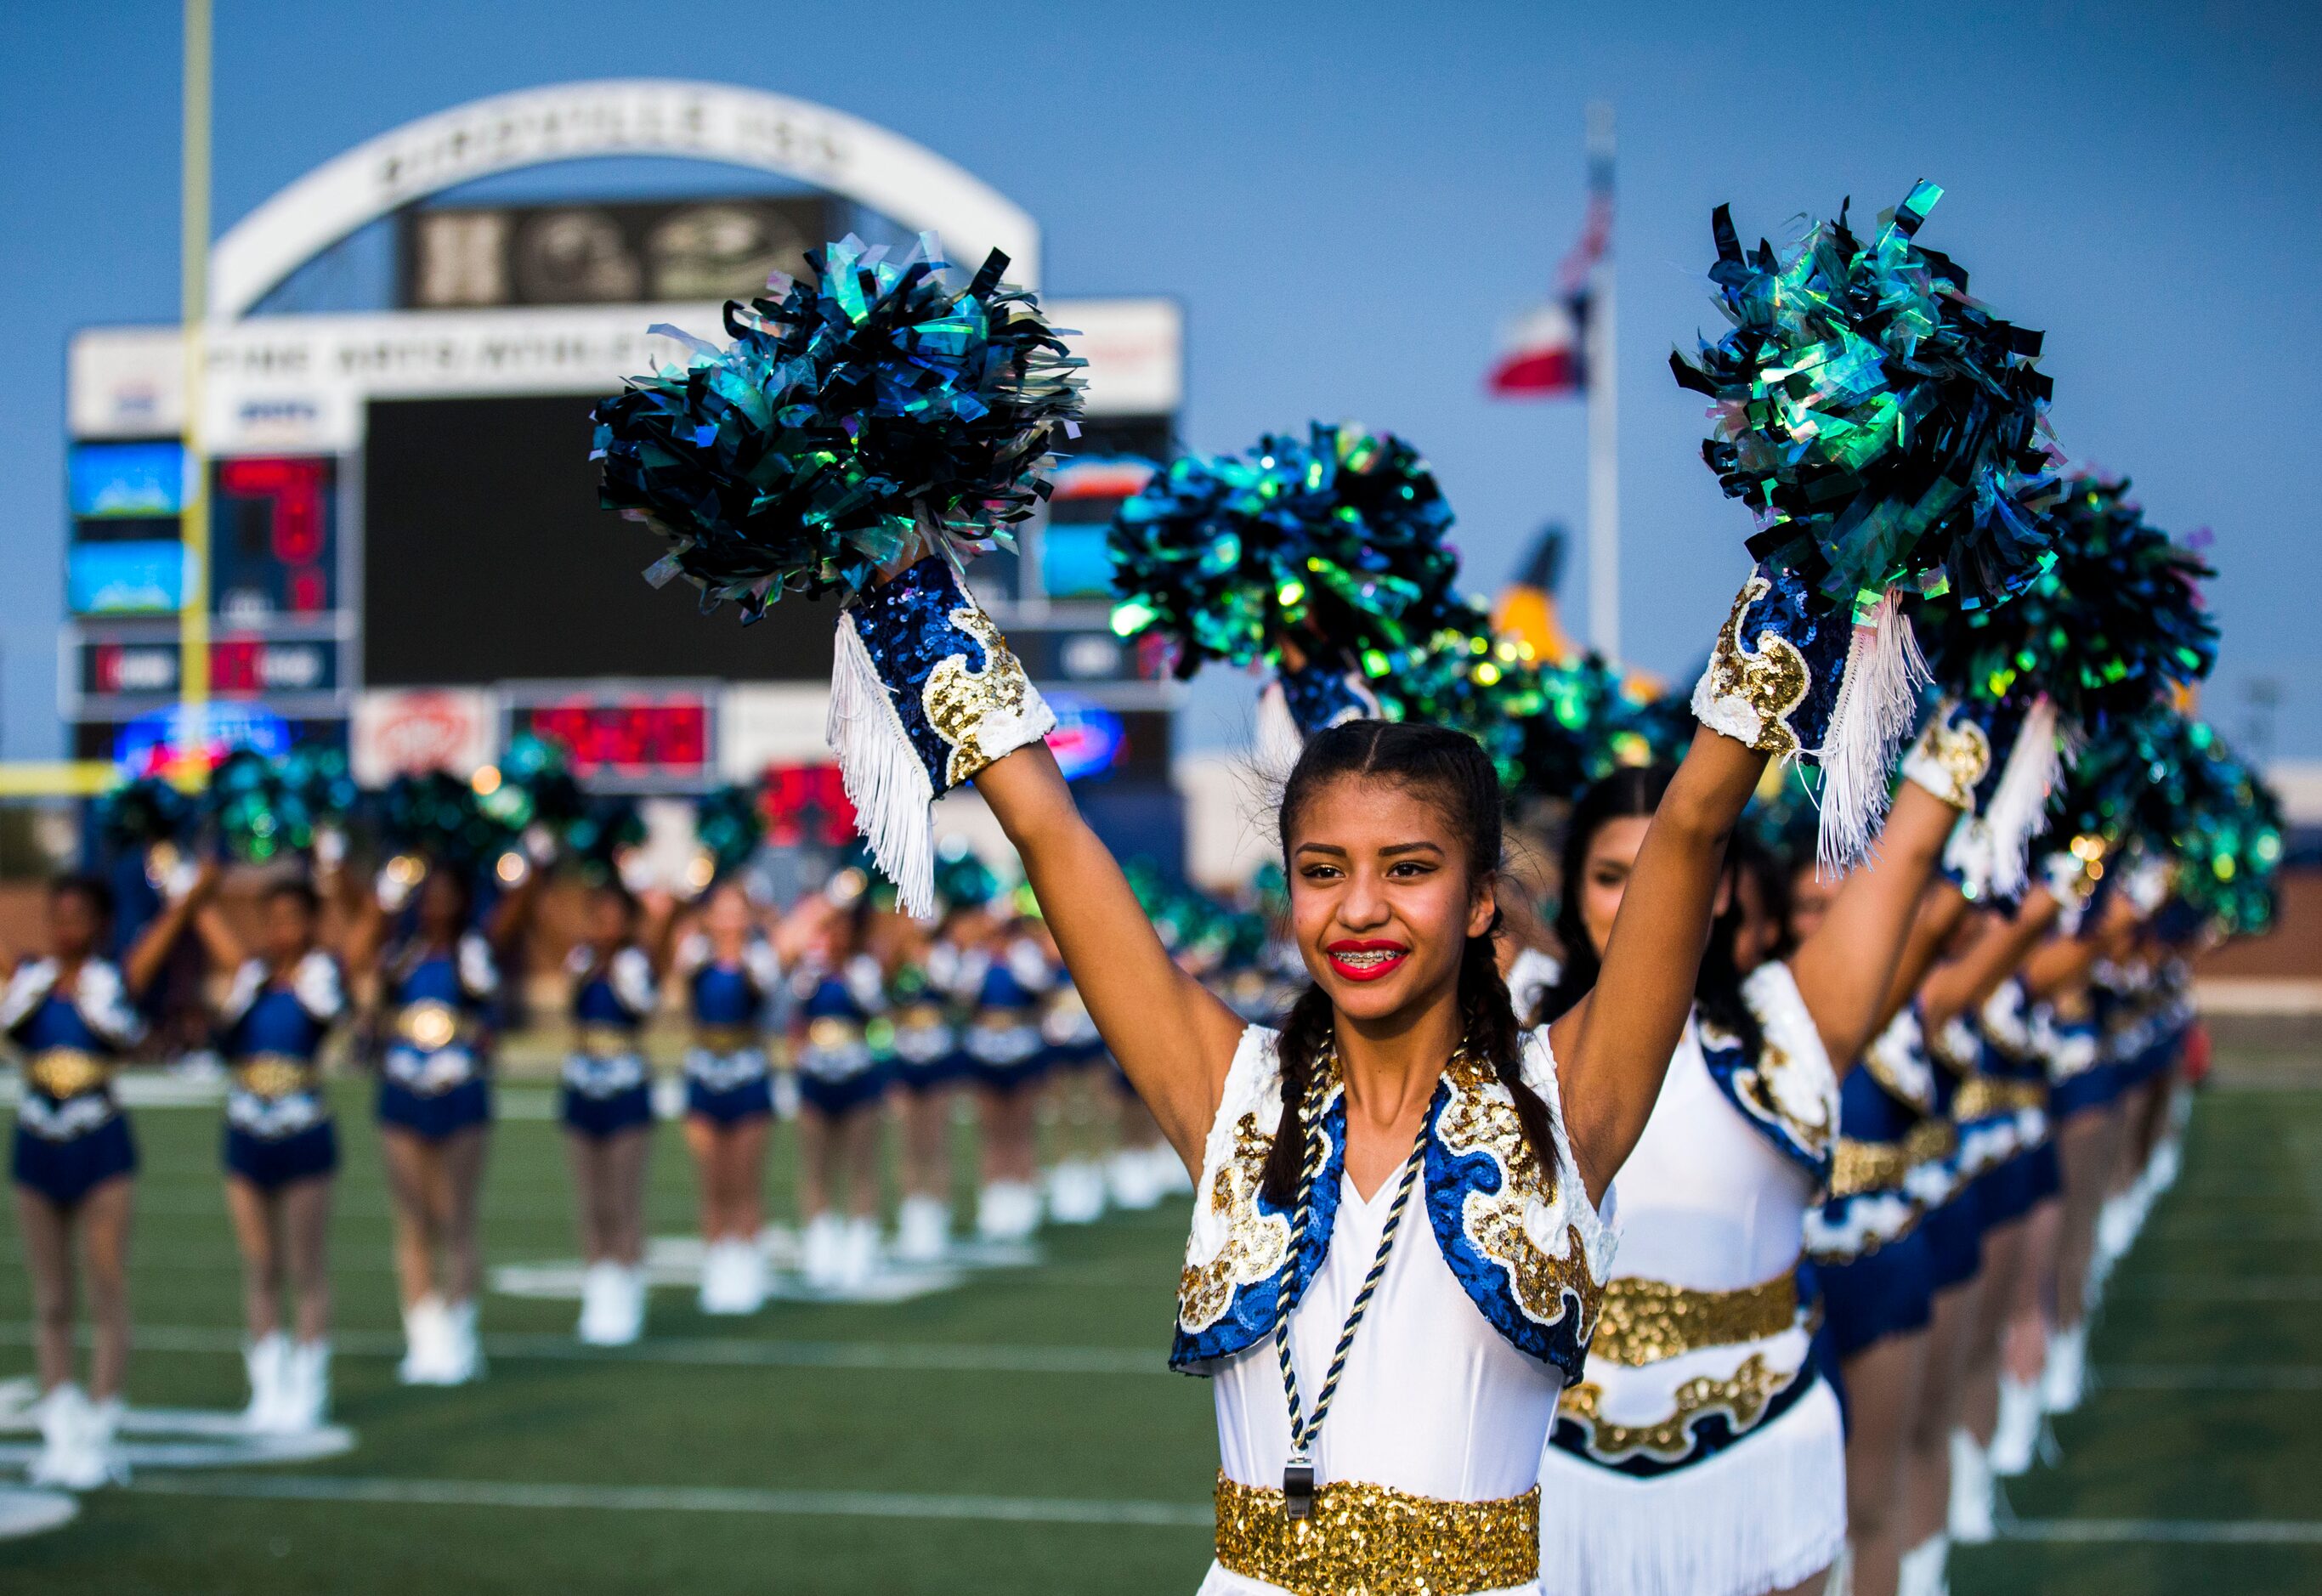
1942	907
1614	1046
1843	970
142	965
1961	986
225	949
1172	1037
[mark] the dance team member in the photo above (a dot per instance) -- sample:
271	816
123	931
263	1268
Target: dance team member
921	1005
1009	978
437	970
839	989
72	1015
730	972
605	1102
281	1151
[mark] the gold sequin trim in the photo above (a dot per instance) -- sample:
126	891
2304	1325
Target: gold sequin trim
67	1071
1860	1167
1988	1097
1930	1140
1961	752
1256	1242
1481	1117
272	1075
1368	1540
958	700
599	1040
1755	1085
1743	1398
1650	1321
1771	679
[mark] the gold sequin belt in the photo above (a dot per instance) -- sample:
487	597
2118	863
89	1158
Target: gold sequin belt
274	1075
600	1041
431	1024
1650	1321
1379	1541
1989	1097
1858	1167
725	1038
63	1073
828	1033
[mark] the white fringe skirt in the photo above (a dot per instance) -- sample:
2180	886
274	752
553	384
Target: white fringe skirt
1761	1516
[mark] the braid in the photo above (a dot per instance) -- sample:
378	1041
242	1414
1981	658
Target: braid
1494	1034
1305	1032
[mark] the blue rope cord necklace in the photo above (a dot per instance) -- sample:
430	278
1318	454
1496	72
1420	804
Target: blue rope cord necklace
1298	1474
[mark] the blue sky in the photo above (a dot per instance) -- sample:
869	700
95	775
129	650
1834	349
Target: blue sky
1349	199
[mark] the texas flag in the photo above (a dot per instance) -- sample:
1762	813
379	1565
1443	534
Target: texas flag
1542	352
1539	354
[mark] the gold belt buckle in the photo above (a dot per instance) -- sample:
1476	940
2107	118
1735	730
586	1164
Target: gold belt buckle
67	1071
272	1075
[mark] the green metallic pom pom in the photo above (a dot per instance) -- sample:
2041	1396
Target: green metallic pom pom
849	421
1888	429
1332	546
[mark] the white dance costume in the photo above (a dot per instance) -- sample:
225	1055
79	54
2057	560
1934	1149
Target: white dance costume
1702	1455
1426	1469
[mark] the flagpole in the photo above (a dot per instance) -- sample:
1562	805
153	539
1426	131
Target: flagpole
194	244
1603	444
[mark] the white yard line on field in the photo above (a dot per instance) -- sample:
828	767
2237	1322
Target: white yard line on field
683	1499
942	1358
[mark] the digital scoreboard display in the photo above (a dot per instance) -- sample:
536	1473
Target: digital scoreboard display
627	737
486	559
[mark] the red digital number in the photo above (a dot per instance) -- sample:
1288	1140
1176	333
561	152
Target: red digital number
294	489
639	737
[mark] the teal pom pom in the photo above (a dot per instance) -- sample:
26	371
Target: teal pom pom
1332	545
535	787
607	826
963	880
138	814
729	824
1888	429
849	419
2115	622
438	815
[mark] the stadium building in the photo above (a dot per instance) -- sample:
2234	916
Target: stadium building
406	553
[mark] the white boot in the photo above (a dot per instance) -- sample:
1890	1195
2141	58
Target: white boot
749	1278
624	1319
1971	1516
1922	1570
2116	1229
922	1225
822	1260
719	1277
106	1465
858	1253
1135	1182
1075	1193
464	1355
1170	1170
2015	1438
2065	1385
427	1343
265	1360
991	1217
600	1305
65	1456
306	1387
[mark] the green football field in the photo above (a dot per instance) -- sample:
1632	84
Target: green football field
1021	1432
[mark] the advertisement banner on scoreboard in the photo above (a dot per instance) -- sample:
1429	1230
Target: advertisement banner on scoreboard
402	731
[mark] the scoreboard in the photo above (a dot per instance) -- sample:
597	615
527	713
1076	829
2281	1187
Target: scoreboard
405	538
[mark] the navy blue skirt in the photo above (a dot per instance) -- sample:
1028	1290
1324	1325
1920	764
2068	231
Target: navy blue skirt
2090	1089
269	1161
1013	1077
752	1100
2011	1191
948	1069
68	1170
1954	1238
607	1115
833	1097
435	1115
1883	1293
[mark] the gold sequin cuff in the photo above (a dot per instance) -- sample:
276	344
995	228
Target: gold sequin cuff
1379	1541
1650	1321
1951	757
